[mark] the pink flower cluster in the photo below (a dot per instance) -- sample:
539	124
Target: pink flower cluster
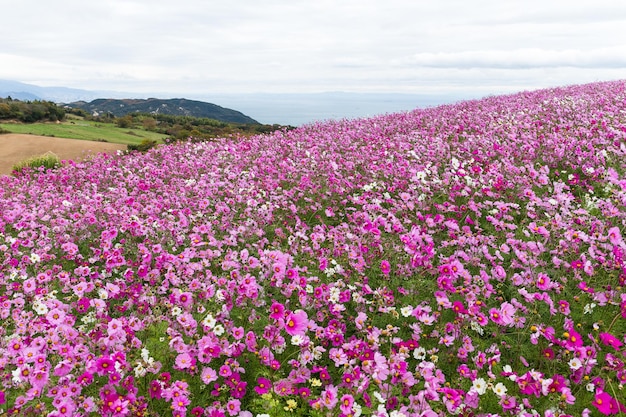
460	260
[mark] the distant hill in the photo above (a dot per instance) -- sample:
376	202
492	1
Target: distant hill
23	91
174	106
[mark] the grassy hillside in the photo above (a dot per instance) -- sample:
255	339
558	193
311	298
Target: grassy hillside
85	130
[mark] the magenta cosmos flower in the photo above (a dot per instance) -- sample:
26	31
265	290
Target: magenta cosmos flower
296	322
385	267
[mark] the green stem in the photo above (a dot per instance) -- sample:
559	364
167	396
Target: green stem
613	322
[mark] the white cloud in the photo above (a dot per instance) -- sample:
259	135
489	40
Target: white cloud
614	57
194	46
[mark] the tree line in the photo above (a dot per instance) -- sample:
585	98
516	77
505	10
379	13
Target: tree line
30	111
183	127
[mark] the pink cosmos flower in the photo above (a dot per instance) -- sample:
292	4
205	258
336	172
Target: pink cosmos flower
361	317
296	323
610	340
56	317
615	236
277	310
233	407
564	307
495	316
114	327
197	412
508	402
283	387
208	375
185	299
83	305
573	339
458	307
605	403
577	264
346	403
225	371
329	397
263	385
543	282
184	361
66	407
238	332
104	365
385	267
507	313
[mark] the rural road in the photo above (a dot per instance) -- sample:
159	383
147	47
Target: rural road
17	147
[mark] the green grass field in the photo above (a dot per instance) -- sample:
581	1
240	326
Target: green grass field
85	130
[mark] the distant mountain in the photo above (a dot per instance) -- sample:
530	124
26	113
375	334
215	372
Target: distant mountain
23	91
174	106
118	104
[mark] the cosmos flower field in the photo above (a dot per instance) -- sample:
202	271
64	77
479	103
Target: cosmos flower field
467	259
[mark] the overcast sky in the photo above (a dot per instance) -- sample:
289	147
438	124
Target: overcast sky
301	46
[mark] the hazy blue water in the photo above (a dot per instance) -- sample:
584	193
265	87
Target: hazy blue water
299	109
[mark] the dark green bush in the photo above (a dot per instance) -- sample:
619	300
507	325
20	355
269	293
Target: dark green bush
143	146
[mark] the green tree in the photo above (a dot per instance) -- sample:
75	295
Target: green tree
5	111
124	122
149	123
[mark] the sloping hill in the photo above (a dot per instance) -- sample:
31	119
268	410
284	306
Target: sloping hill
175	106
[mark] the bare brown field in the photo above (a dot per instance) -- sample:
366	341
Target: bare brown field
18	147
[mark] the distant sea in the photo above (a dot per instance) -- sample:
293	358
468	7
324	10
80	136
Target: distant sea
300	109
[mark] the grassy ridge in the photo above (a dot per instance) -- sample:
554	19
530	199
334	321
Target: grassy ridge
86	130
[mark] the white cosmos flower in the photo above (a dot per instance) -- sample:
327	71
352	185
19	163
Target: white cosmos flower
479	385
297	340
499	389
575	364
419	353
209	321
40	308
379	397
218	330
140	371
16	375
406	311
588	309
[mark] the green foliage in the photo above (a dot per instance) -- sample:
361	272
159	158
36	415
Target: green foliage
182	127
30	111
143	146
124	122
78	112
46	161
